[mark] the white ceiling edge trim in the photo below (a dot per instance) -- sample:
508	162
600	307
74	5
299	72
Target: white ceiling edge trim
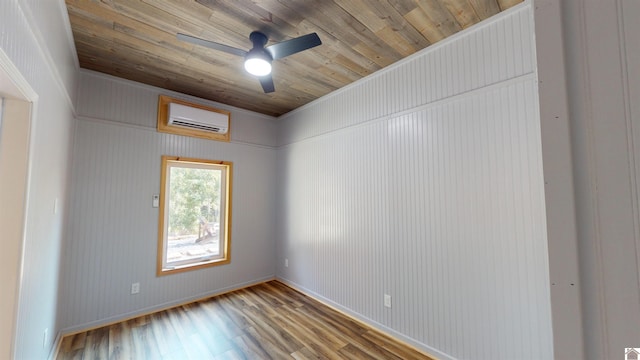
62	7
428	49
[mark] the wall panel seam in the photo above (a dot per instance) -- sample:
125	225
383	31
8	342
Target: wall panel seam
439	102
182	96
91	119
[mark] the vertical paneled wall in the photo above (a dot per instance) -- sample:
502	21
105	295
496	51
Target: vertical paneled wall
113	227
424	182
42	55
602	74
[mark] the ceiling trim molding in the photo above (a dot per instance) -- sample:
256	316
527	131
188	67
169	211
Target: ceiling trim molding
431	48
40	43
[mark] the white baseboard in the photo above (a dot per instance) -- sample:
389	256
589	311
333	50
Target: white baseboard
435	353
156	308
159	307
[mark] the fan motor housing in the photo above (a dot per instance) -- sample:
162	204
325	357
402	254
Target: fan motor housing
258	39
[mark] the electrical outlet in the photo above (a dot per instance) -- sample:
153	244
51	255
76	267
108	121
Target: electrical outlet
135	288
387	300
45	338
286	262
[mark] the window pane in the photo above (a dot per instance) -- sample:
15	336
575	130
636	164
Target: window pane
194	214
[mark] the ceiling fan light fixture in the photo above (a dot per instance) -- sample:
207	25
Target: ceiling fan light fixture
257	66
258	63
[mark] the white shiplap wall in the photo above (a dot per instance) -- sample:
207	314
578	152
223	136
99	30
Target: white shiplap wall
600	107
33	36
102	97
113	228
424	182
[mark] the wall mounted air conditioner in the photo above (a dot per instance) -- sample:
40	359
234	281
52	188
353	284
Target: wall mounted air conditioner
200	119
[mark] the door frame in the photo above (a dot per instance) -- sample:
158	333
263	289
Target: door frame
19	96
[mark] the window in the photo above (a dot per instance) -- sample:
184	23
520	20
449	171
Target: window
195	214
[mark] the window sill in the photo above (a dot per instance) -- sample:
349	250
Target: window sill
191	267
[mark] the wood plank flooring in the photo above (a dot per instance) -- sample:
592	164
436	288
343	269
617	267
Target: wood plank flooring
266	321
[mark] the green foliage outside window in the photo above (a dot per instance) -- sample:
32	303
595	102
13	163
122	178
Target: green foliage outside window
194	198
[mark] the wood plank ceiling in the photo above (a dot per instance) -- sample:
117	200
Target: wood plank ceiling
136	40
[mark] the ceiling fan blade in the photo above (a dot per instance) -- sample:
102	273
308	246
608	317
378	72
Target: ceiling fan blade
212	45
290	47
267	84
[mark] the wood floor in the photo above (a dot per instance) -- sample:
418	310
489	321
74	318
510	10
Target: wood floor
266	321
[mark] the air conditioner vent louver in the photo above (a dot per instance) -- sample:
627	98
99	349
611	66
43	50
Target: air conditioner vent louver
199	119
197	126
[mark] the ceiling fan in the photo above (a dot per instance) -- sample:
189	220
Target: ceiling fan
257	61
